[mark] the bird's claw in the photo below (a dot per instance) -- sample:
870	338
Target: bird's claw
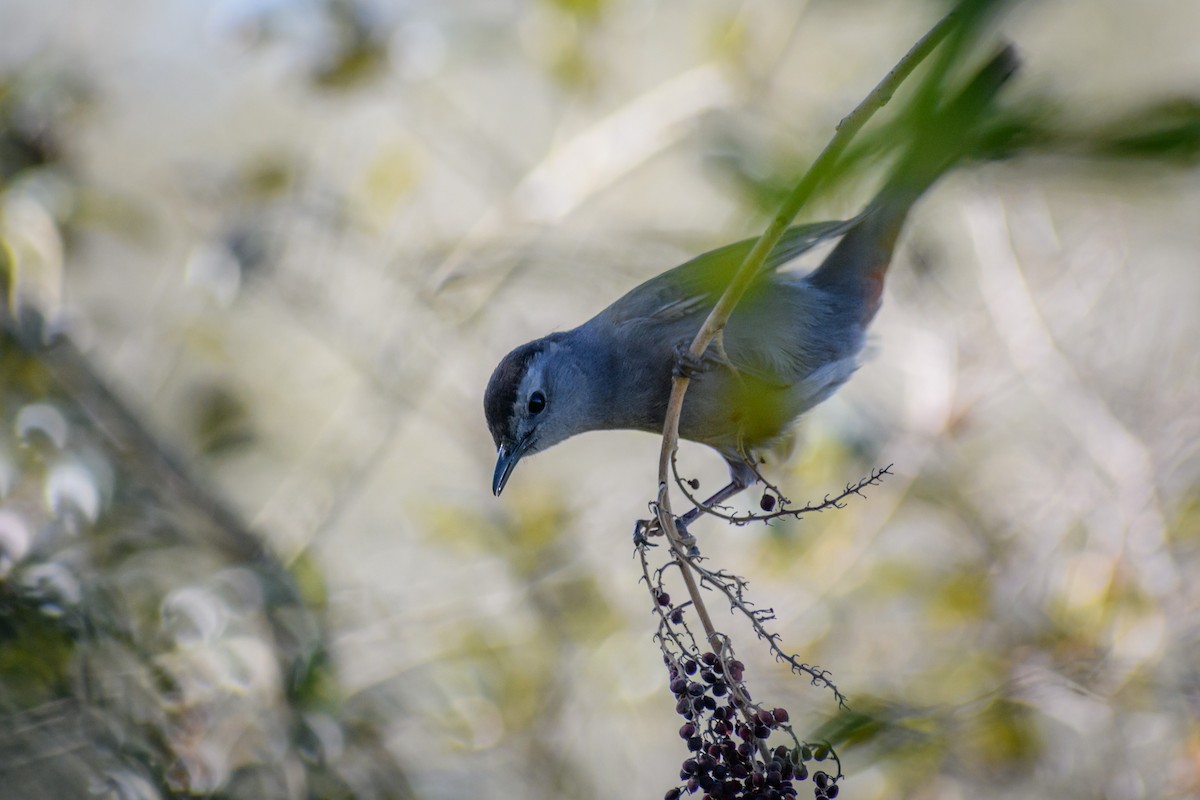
643	529
687	364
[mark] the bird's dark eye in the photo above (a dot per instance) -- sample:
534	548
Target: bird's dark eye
537	401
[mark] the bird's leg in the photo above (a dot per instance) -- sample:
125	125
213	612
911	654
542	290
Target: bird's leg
741	476
718	347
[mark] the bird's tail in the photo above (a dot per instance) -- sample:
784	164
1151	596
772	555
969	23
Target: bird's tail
857	265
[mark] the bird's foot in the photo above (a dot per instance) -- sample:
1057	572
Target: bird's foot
687	364
644	529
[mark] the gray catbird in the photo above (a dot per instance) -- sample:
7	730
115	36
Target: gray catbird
790	343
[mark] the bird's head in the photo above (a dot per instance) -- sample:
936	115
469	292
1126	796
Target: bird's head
537	396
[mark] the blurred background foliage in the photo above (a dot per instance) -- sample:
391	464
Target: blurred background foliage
294	236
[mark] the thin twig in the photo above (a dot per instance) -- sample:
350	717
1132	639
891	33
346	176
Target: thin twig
827	503
733	587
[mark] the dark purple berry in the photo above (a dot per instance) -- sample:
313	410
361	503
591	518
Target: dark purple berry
677	616
761	732
767	502
673	793
719	689
690	667
689	766
781	715
832	791
687	730
709	658
695	689
765	717
802	773
684	707
663	598
695	743
820	779
679	685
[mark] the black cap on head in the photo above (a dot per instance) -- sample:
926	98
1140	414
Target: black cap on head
500	398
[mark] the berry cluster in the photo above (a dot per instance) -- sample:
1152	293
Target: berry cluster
727	738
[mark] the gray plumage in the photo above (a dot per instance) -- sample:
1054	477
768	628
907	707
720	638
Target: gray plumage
790	343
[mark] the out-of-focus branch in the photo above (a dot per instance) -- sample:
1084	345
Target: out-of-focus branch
577	169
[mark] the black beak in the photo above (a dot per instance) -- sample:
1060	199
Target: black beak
506	460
